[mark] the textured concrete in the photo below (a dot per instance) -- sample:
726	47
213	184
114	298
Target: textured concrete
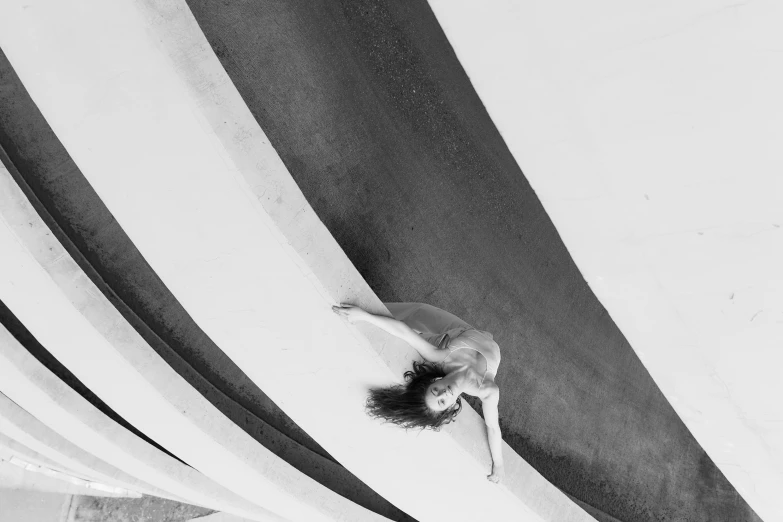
21	428
20	475
83	225
10	448
29	384
31	506
375	119
67	313
658	158
146	509
208	233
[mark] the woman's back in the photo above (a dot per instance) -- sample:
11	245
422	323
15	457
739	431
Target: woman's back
480	341
447	331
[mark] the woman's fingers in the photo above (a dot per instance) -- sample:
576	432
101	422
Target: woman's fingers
345	311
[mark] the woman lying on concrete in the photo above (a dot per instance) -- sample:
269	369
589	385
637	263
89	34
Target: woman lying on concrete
458	359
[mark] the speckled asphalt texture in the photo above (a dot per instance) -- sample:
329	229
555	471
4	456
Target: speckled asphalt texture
371	112
145	509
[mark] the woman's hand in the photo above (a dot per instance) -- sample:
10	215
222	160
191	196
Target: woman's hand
350	313
498	473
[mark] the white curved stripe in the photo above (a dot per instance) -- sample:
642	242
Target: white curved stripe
10	448
33	387
156	126
20	427
69	316
95	488
651	133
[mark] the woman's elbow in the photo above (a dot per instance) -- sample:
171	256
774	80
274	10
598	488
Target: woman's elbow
491	393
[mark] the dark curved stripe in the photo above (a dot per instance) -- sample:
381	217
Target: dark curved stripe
36	349
81	222
374	117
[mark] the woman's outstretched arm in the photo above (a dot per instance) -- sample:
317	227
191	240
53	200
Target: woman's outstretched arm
396	328
489	406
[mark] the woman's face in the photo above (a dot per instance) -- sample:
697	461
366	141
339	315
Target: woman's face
441	394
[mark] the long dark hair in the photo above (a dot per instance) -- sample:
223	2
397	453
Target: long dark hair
404	404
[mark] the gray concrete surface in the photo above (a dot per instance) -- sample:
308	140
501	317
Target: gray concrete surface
33	506
73	211
19	430
371	112
20	505
146	509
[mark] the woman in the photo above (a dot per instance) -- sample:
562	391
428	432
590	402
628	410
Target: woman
458	359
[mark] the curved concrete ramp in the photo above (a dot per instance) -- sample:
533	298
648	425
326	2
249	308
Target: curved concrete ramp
80	221
376	120
17	474
15	454
19	427
23	468
34	388
178	159
10	448
651	135
89	336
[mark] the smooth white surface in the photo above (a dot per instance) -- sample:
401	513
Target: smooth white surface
24	457
70	316
651	132
19	474
19	427
38	391
155	125
33	506
10	448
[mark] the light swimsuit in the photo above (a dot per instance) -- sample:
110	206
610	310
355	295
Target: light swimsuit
479	341
447	331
